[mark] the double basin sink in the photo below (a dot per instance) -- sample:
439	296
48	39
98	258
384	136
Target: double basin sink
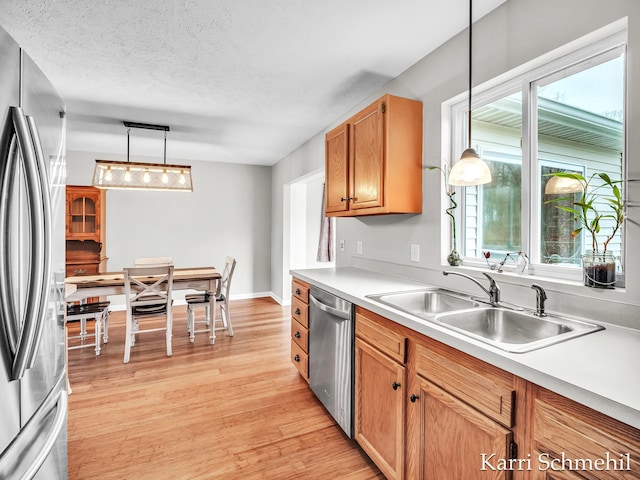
505	328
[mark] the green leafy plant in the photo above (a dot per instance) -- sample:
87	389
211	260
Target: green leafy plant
584	209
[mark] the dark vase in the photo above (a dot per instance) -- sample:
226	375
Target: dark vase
599	269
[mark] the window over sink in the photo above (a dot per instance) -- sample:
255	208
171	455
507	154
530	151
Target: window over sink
563	115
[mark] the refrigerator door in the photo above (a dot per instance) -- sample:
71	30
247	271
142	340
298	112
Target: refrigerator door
9	95
47	357
32	452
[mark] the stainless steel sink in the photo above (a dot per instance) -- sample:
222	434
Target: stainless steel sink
425	303
514	331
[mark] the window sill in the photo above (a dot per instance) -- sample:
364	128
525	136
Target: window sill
571	286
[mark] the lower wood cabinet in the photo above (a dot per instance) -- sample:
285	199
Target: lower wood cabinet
455	439
380	387
573	440
300	327
424	410
461	415
379	412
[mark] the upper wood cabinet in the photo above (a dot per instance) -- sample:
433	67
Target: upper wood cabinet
374	160
83	213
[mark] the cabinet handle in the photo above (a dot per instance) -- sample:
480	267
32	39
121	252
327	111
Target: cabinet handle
297	312
344	199
297	334
395	385
297	358
298	291
413	398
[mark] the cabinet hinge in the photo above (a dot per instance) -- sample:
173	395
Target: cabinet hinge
513	450
384	108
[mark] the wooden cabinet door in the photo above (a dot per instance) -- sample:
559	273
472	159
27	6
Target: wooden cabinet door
454	437
367	157
594	445
373	161
379	409
83	213
337	169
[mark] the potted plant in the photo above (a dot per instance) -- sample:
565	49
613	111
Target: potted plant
598	263
454	258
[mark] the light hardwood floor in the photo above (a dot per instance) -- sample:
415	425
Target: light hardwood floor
234	410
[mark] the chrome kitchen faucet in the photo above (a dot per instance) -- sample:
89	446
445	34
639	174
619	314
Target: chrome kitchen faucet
493	291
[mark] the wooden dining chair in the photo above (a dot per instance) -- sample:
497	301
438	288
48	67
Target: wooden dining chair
152	261
148	294
96	311
202	300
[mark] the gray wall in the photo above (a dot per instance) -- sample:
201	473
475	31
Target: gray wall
517	32
228	213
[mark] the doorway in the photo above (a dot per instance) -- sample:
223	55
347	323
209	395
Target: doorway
302	215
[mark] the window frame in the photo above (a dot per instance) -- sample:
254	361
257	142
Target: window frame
525	80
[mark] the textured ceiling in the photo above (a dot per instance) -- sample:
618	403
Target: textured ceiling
236	80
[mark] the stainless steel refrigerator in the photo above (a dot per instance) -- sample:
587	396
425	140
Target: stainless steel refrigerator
33	398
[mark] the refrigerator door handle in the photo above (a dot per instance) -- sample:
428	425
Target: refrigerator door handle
20	446
37	288
43	201
8	311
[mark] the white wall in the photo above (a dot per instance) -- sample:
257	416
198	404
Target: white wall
517	32
228	213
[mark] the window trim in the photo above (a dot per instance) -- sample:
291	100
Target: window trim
602	46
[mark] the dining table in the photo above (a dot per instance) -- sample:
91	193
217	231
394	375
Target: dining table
81	287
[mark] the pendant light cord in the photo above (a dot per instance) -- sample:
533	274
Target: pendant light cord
470	68
165	147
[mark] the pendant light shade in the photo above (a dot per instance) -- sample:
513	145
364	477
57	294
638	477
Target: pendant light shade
563	185
470	169
110	174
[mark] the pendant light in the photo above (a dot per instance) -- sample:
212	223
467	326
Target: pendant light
563	186
110	174
470	169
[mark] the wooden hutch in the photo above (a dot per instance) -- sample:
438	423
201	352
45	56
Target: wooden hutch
85	230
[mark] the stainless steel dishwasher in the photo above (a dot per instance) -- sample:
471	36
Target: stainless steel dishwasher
331	341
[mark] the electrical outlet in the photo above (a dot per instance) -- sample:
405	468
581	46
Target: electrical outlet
359	247
342	245
415	252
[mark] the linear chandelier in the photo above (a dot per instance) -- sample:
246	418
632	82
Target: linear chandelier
143	176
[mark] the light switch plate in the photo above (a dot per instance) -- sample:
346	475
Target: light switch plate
359	247
415	252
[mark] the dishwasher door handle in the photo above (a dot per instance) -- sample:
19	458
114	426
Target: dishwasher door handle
333	311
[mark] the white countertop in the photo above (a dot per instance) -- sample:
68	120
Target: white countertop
600	370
